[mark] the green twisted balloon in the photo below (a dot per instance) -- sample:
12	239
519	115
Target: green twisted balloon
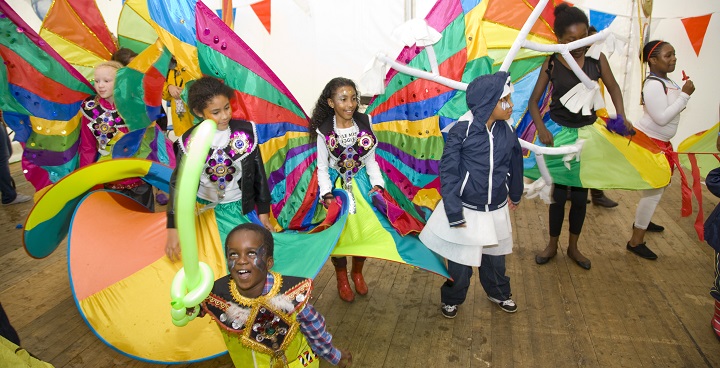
193	283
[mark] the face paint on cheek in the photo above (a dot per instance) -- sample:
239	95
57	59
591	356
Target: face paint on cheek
504	105
231	263
261	260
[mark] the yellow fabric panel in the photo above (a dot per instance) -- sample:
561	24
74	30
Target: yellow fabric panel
364	234
55	127
80	181
185	54
502	36
427	198
477	47
12	357
71	51
143	316
603	149
687	144
147	58
269	148
425	125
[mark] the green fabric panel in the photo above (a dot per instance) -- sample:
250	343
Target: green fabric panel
39	59
242	79
555	164
129	98
55	143
416	147
705	162
137	46
162	64
452	41
520	68
603	166
134	31
364	234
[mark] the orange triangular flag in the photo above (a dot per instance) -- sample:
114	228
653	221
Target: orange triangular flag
262	10
696	28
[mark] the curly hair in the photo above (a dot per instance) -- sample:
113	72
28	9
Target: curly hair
205	89
123	55
652	49
322	110
566	16
265	235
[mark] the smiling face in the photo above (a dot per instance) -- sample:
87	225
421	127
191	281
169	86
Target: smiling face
344	101
219	110
572	33
248	262
105	81
665	60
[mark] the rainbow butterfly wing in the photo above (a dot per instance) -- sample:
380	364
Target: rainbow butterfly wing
282	125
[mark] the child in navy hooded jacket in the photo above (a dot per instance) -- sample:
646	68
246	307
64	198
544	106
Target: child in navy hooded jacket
481	178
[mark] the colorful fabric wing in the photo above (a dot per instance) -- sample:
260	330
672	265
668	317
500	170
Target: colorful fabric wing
289	157
43	96
410	115
703	146
77	30
281	123
139	87
174	23
134	31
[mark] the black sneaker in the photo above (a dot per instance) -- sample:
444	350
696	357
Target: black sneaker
449	311
507	305
643	251
655	228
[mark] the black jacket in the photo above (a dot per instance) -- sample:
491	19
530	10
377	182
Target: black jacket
712	224
254	185
481	166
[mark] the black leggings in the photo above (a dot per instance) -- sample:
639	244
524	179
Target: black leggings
578	205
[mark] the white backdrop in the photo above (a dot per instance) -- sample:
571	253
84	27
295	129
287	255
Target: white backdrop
313	41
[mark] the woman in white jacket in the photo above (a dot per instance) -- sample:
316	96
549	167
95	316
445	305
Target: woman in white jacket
663	100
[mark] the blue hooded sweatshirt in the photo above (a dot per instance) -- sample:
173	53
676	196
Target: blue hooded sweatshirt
481	167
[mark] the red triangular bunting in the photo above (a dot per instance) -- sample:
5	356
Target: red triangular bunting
262	10
696	28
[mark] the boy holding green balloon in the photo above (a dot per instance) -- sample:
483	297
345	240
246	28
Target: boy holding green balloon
265	317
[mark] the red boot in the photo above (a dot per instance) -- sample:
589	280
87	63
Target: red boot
343	284
357	277
716	320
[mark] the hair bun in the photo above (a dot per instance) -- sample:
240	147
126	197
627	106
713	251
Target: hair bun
561	8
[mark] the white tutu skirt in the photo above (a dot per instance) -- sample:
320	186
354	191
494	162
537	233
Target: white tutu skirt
485	233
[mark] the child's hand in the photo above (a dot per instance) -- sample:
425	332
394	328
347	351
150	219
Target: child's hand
174	91
628	125
265	220
172	246
375	189
345	359
545	136
513	206
688	87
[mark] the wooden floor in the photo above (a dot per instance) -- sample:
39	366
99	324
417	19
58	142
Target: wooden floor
625	312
